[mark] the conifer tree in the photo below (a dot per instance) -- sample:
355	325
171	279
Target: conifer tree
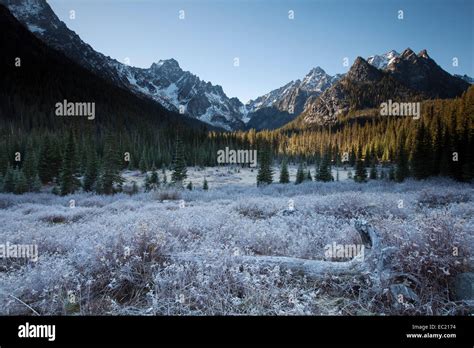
446	155
437	148
68	177
373	171
179	164
299	174
82	155
205	186
308	175
111	167
403	170
3	159
422	154
352	158
30	167
21	185
360	170
367	157
265	172
92	171
337	158
391	174
35	185
9	180
284	174
55	190
190	186
466	157
457	147
57	158
468	166
324	171
45	163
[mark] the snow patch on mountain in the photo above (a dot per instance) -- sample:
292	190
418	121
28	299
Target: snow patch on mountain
27	8
164	81
35	29
383	60
292	97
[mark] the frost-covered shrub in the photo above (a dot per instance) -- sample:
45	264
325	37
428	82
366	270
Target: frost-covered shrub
429	252
40	287
217	288
254	210
116	253
435	199
92	201
6	201
167	194
54	218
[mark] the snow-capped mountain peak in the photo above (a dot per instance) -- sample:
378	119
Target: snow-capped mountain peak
168	64
383	60
289	100
316	80
164	81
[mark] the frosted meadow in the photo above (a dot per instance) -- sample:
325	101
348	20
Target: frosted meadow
114	254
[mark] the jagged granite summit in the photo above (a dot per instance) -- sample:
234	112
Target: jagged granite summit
284	104
407	76
164	81
421	73
318	95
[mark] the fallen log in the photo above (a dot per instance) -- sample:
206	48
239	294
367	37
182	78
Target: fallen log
312	269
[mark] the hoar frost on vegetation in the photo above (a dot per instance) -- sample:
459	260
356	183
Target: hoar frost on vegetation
109	254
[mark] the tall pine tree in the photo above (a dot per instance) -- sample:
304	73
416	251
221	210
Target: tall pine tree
92	170
402	171
299	174
324	170
111	180
46	159
421	161
360	170
265	172
30	168
179	164
68	180
284	174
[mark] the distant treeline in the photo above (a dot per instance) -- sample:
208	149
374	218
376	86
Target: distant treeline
440	143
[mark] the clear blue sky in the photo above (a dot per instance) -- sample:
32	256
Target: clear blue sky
272	49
